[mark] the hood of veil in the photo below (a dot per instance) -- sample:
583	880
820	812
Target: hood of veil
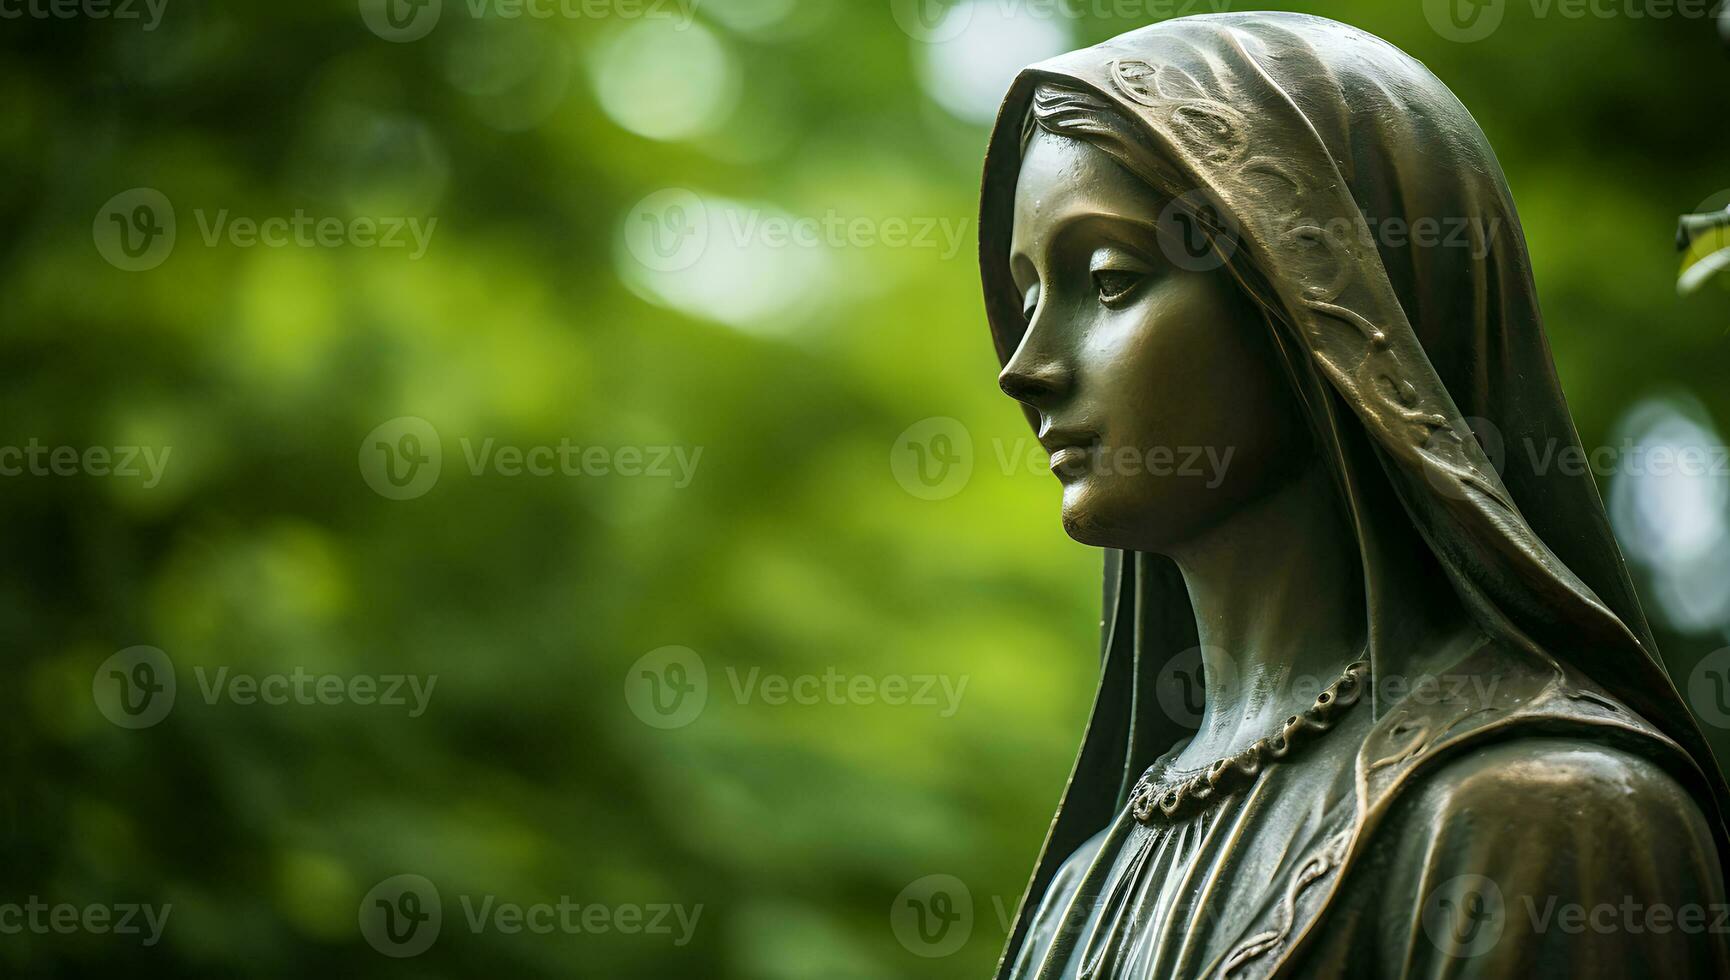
1292	136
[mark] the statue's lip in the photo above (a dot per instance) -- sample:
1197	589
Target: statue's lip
1070	450
1069	461
1058	440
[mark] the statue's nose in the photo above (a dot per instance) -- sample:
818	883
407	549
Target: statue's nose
1037	384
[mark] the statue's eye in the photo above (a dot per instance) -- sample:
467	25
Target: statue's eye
1115	285
1030	303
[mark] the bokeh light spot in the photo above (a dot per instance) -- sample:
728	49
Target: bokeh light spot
667	83
969	72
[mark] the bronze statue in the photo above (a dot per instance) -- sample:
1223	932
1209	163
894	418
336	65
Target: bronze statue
1436	738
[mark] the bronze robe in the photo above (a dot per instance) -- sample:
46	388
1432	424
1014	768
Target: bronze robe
1533	832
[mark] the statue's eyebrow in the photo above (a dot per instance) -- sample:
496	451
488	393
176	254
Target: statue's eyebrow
1146	223
1022	268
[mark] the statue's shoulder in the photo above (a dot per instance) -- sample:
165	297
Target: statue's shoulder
1558	784
1519	769
1499	769
1514	789
1583	857
1537	718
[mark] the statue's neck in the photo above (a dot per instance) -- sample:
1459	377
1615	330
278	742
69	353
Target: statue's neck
1280	610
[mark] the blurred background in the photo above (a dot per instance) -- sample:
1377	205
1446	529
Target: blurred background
488	455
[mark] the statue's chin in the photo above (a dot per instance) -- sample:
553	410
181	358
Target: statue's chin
1083	521
1123	520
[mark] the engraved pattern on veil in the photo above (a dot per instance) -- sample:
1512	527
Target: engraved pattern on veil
1373	363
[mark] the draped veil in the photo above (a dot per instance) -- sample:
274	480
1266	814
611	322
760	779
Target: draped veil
1301	139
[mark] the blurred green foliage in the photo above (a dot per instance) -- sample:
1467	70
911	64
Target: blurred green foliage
793	550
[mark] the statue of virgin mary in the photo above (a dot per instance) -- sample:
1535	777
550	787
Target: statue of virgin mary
1435	736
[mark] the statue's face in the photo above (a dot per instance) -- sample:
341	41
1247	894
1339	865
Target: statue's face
1159	392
